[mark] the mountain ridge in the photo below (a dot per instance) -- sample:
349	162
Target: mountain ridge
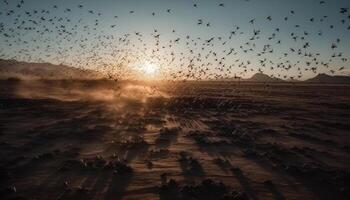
325	78
29	70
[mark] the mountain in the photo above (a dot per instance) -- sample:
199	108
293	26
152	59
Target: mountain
25	70
324	78
260	77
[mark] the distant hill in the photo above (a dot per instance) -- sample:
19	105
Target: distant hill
25	70
320	78
260	77
324	78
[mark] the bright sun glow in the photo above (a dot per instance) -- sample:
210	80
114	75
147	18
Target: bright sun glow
149	69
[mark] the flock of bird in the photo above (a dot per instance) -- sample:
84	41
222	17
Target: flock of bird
38	35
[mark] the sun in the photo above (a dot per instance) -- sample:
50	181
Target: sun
149	69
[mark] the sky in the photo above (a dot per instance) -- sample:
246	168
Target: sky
102	35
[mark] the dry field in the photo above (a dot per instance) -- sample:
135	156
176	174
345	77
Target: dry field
192	140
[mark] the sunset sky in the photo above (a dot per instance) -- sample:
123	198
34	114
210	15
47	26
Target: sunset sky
96	36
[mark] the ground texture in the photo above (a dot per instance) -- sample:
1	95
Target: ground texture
194	140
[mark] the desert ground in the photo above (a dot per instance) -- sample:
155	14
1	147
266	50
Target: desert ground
174	140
